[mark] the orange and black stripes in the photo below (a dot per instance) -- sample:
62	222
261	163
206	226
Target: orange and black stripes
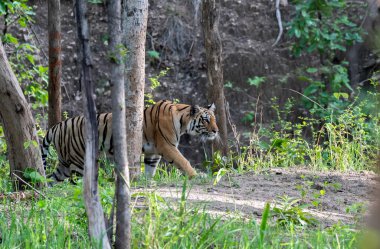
163	125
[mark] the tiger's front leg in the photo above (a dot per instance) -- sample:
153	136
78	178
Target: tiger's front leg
151	162
174	156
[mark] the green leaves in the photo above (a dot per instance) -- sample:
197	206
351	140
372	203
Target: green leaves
8	38
29	143
323	26
153	54
343	95
256	81
312	70
289	211
218	175
33	175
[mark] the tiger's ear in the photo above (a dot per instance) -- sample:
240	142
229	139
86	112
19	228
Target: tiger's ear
194	110
211	107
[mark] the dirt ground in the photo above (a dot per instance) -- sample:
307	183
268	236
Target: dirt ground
347	196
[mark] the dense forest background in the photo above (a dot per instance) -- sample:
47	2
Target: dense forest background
303	125
258	75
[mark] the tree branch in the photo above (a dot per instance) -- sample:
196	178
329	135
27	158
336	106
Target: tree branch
278	15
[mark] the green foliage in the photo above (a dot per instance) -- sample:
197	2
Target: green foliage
344	140
154	83
33	176
288	211
3	144
323	26
17	8
32	75
256	81
264	221
59	221
120	50
322	98
95	1
43	223
153	54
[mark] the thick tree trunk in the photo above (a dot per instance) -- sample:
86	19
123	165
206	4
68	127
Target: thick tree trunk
18	123
55	62
213	46
123	195
94	210
134	27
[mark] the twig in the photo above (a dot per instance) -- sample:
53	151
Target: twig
278	15
38	41
233	127
35	190
366	15
303	95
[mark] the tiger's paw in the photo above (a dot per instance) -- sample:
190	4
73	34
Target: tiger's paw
202	175
199	176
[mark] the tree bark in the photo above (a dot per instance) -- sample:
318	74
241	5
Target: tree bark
94	210
55	62
135	16
122	191
19	125
213	46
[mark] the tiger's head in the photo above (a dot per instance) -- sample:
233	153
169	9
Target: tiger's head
203	122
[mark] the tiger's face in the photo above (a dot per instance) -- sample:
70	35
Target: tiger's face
204	122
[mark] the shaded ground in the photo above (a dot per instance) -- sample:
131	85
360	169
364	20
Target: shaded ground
347	195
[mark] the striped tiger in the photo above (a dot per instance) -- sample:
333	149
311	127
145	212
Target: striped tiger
164	123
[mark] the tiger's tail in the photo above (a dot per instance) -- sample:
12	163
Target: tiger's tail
45	146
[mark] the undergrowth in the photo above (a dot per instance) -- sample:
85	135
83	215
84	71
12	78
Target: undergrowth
60	222
345	141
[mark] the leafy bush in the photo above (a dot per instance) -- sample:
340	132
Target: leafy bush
323	26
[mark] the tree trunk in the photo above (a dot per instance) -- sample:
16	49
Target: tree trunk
123	196
134	27
213	46
96	223
19	126
55	63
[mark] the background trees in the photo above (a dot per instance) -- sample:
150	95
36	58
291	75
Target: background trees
213	46
55	62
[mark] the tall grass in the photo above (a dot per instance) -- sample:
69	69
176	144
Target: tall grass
59	222
344	141
50	223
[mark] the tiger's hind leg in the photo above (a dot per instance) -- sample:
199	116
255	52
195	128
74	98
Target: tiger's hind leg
151	162
61	173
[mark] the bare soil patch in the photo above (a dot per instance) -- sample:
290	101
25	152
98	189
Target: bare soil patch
247	194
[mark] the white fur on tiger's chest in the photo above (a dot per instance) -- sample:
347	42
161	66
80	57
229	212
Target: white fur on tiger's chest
149	148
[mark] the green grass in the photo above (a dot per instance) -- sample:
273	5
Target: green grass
56	222
59	221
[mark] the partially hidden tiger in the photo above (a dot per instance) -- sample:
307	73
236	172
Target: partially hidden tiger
164	123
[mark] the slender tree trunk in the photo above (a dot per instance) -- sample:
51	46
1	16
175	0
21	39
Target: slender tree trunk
55	62
123	196
213	46
19	125
94	210
134	28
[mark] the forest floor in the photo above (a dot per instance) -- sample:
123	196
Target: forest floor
329	197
